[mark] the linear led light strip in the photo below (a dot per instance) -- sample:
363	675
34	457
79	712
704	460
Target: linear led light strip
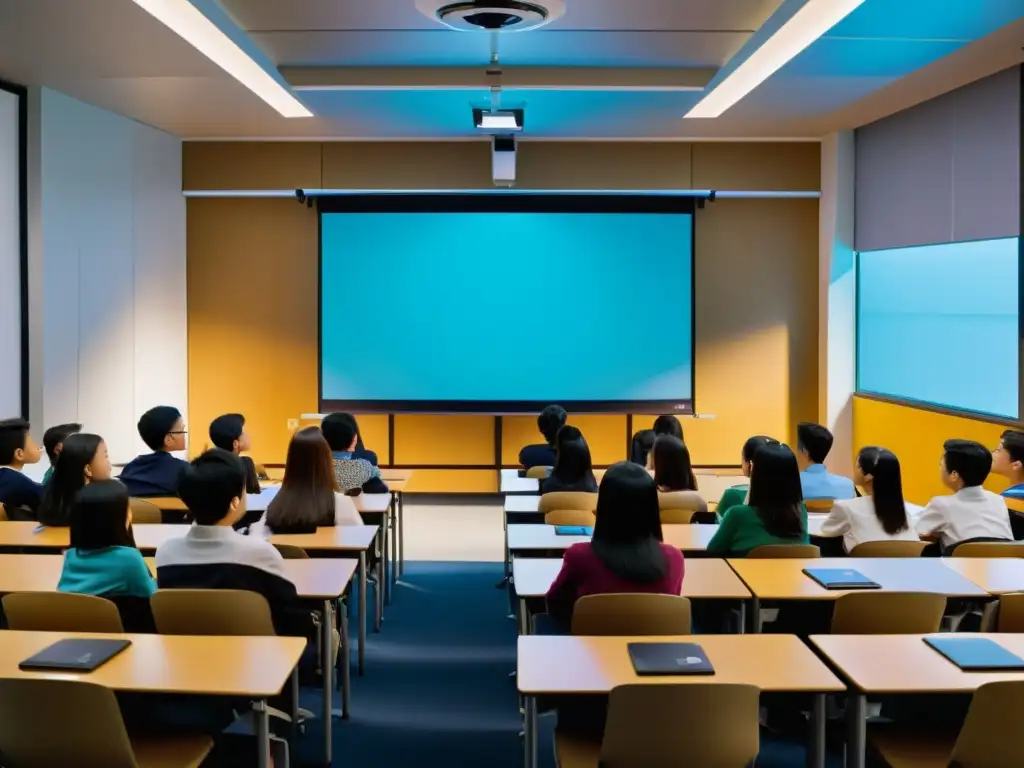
189	22
808	24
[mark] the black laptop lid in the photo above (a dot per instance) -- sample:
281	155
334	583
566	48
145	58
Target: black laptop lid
976	654
79	654
669	659
841	578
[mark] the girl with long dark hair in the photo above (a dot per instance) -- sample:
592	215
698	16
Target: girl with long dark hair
82	460
574	469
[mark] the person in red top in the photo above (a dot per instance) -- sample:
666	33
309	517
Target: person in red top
626	553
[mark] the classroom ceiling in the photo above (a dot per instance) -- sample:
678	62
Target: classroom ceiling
883	57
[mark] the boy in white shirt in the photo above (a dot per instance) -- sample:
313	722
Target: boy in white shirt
970	512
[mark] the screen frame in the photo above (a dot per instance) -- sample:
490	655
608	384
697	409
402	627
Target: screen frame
21	92
506	202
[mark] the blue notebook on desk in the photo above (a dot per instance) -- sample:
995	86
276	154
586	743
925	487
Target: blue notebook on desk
574	530
976	654
669	659
77	654
841	578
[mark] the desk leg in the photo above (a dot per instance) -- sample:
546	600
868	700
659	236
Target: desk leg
401	533
388	553
346	672
816	744
523	617
362	609
530	733
394	546
295	701
381	575
755	615
856	729
327	668
262	718
742	620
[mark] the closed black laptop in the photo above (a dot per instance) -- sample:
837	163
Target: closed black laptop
79	654
976	654
669	659
841	578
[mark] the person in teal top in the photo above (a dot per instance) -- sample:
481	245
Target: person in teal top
737	494
775	513
103	559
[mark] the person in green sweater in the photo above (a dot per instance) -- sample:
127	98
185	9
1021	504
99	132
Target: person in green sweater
737	494
103	559
774	514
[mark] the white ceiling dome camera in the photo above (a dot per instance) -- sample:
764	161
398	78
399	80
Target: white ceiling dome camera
492	15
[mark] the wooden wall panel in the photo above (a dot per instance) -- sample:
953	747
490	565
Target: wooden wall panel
517	431
444	439
601	165
453	480
374	429
405	165
784	166
605	434
250	165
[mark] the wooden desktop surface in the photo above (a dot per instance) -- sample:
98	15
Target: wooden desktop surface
784	579
996	575
704	578
256	667
905	664
389	475
688	538
339	538
577	664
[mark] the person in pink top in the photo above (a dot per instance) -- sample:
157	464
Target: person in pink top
626	553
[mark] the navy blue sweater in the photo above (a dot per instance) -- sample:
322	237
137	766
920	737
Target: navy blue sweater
153	474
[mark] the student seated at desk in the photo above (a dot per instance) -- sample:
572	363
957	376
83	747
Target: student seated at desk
103	559
550	420
738	494
352	473
53	443
573	470
1008	461
17	448
970	512
673	473
228	433
626	553
881	514
774	514
83	460
813	445
643	440
308	497
213	556
157	473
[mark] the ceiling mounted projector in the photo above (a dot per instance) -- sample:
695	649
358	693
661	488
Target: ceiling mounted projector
498	121
492	15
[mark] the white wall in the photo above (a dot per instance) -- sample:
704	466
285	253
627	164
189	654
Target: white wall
107	270
10	254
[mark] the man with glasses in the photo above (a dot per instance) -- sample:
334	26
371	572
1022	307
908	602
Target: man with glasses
157	473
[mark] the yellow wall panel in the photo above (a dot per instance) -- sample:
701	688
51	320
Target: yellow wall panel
423	439
517	431
250	165
453	481
916	437
374	429
792	166
605	434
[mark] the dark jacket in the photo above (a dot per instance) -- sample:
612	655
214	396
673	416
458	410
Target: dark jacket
153	474
537	456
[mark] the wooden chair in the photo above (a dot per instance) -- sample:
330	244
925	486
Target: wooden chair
568	508
91	731
145	512
291	552
888	613
652	726
61	612
631	614
889	549
991	736
3	513
679	507
1011	613
819	506
538	473
988	549
570	517
211	612
784	551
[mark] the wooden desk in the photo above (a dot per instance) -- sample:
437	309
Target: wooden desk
996	575
594	665
374	509
895	664
30	535
397	480
524	539
255	668
704	579
511	482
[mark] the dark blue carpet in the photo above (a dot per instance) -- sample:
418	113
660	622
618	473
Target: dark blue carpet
437	691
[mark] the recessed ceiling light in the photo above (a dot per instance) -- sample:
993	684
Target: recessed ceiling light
189	22
806	25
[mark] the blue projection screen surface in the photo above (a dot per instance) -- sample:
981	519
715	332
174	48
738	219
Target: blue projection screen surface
939	324
502	307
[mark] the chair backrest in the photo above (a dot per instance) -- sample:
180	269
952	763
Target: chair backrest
679	506
676	516
1011	613
569	517
291	552
170	503
819	506
3	512
784	551
888	613
211	612
557	500
62	722
991	736
988	549
631	614
644	728
889	549
145	512
538	473
61	612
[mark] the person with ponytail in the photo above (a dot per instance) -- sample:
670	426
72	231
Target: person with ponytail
879	515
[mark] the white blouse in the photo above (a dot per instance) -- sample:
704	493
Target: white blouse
855	520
